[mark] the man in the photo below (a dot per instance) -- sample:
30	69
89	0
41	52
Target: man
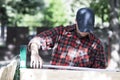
73	45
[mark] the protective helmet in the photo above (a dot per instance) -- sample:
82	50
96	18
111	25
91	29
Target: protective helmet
85	20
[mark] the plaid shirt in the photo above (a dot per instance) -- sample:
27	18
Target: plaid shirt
69	49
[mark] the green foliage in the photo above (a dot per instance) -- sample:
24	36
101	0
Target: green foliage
26	6
54	14
34	13
30	20
101	8
17	10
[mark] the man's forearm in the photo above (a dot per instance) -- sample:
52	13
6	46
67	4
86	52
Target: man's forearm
34	45
34	48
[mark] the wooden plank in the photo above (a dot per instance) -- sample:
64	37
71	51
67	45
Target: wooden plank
3	73
7	72
52	74
11	70
78	68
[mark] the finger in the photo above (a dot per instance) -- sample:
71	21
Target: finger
34	64
40	63
31	64
37	64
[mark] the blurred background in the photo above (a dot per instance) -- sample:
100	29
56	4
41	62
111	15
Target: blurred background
20	20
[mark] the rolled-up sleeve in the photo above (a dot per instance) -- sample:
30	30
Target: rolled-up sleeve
45	40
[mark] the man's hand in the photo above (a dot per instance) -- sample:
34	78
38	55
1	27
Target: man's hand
36	61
